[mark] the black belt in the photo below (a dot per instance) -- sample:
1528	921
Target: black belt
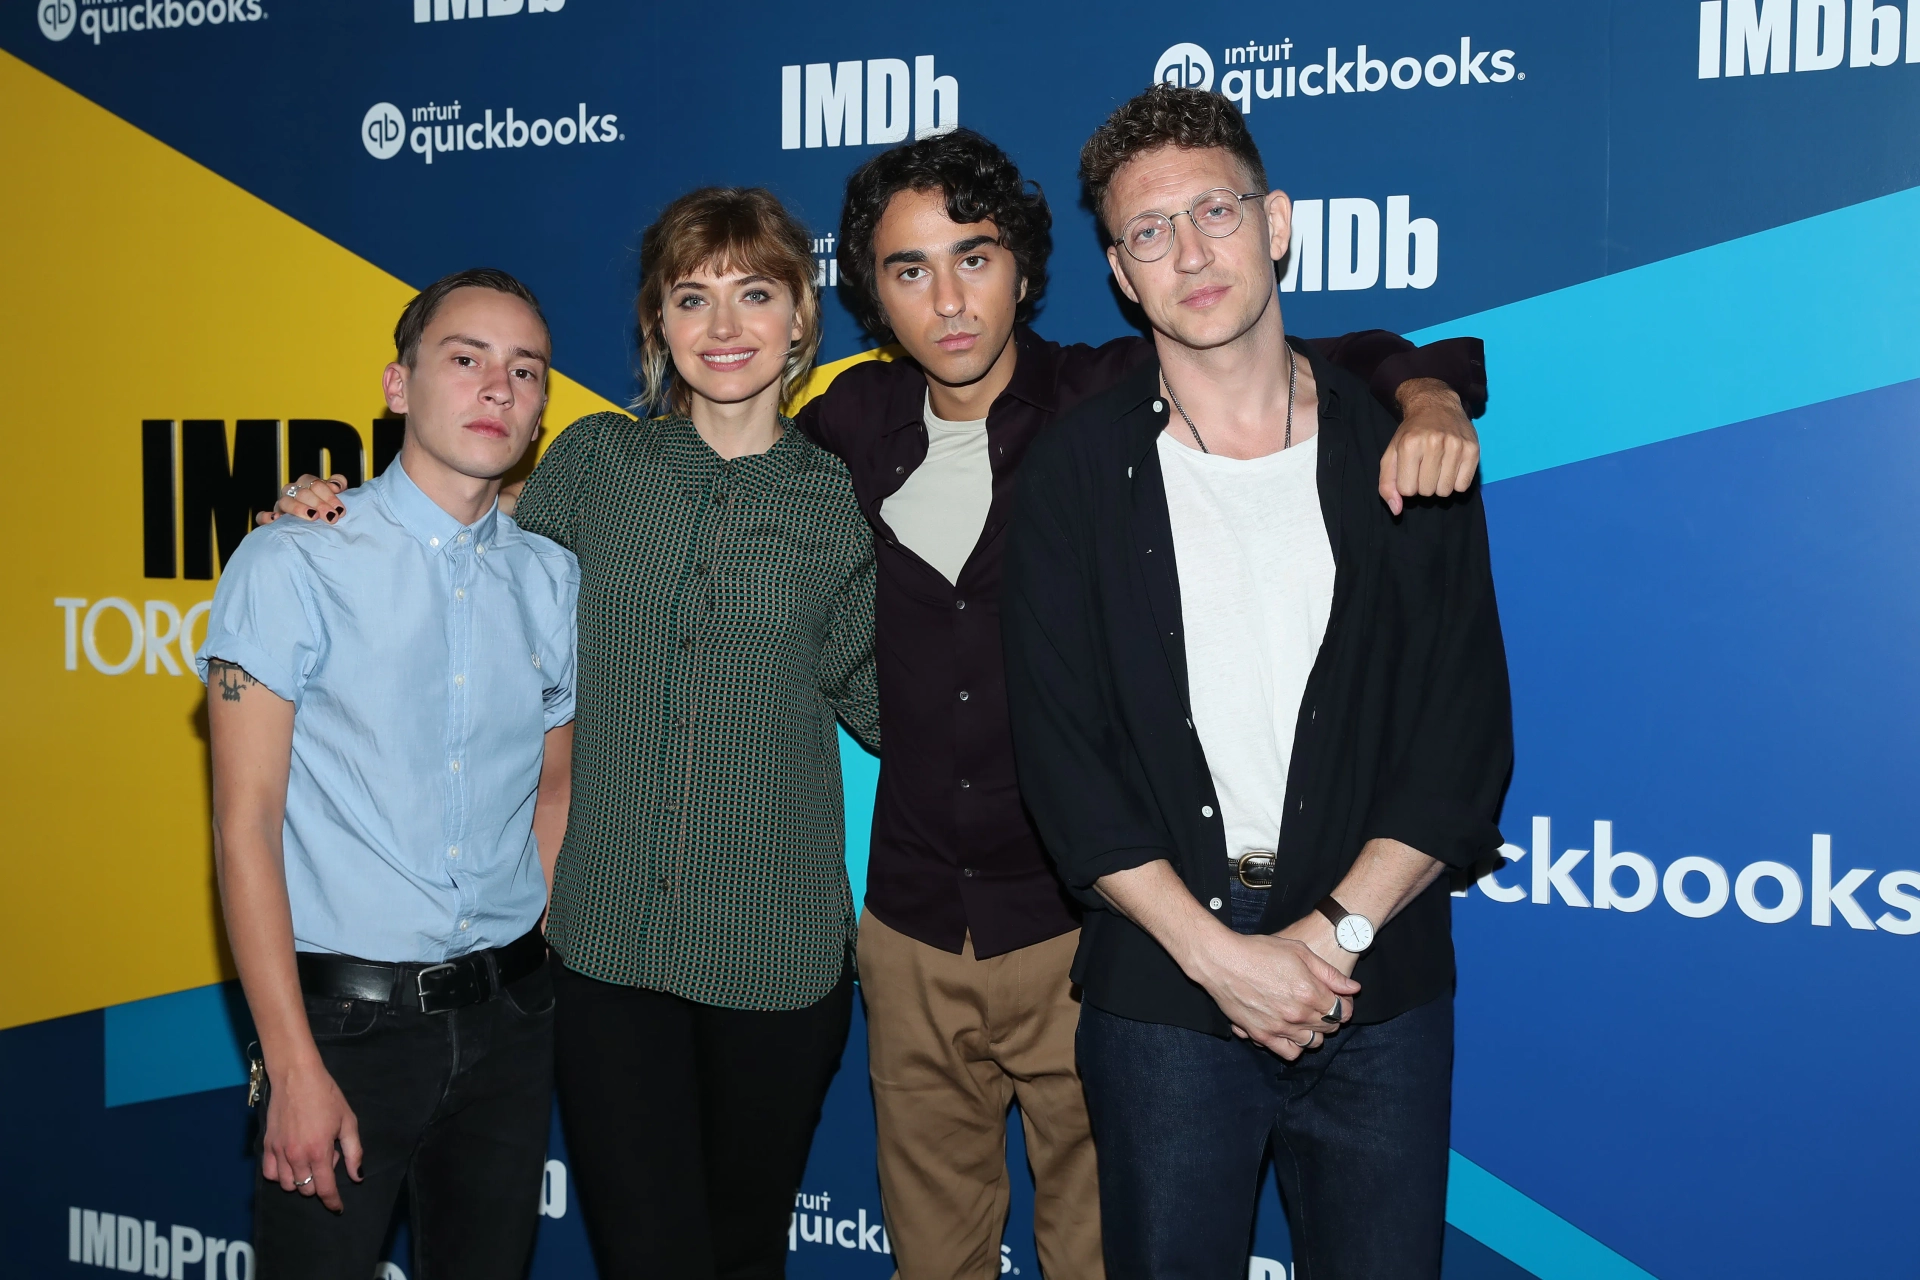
431	988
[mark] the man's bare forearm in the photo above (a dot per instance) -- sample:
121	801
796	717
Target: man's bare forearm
1385	878
553	798
252	735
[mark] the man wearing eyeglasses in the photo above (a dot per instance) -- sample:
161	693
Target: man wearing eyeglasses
1257	713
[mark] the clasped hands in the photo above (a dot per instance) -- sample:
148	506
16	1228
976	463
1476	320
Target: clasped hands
1286	991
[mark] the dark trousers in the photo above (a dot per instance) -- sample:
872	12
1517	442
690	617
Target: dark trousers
688	1126
1358	1129
454	1107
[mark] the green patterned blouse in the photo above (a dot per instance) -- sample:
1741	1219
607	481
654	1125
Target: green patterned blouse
726	620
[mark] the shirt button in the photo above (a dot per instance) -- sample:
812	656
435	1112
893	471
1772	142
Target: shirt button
459	593
463	537
480	548
465	923
1160	406
959	604
1214	903
965	785
963	695
1206	811
967	872
459	680
899	471
453	851
663	884
456	766
433	542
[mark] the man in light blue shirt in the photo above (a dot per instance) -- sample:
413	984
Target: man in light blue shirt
390	706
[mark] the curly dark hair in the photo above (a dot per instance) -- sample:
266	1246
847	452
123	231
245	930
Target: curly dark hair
1165	115
981	184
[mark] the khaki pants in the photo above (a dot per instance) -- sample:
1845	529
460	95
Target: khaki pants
952	1042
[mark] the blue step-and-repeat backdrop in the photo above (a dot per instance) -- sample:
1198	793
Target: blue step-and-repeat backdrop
1689	233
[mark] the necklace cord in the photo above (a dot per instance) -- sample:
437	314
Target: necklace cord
1293	379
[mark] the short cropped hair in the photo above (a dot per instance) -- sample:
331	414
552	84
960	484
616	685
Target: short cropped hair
981	184
1165	116
722	229
427	303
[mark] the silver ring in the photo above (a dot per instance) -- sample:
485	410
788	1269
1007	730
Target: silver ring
292	491
304	1181
1333	1017
1310	1036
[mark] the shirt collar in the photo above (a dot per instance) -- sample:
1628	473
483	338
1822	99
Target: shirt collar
1033	381
424	518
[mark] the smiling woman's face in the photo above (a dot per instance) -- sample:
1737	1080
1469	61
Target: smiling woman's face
729	333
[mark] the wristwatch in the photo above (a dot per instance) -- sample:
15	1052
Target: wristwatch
1353	932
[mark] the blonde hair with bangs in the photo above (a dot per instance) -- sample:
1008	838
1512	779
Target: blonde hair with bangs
738	229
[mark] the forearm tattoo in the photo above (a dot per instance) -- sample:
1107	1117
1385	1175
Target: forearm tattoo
229	677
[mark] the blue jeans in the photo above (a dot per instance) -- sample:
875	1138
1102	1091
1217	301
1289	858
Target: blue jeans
1358	1130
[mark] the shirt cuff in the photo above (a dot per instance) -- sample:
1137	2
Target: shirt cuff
249	657
1461	363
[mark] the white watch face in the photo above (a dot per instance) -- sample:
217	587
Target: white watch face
1354	933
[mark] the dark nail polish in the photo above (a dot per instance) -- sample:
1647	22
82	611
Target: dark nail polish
311	513
333	515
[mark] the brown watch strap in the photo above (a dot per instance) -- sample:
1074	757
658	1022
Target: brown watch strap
1333	911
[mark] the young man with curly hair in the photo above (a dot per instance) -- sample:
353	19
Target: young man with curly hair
968	936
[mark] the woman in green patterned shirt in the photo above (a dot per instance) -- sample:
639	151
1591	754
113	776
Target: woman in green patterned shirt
701	919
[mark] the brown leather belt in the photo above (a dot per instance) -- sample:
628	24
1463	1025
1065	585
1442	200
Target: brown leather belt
1255	868
465	980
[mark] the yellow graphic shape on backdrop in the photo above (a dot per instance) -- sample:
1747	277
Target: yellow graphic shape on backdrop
139	285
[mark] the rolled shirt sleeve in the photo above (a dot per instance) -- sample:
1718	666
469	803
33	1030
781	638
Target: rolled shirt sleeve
263	618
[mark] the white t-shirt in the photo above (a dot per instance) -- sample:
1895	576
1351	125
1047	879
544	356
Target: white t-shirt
939	512
1256	586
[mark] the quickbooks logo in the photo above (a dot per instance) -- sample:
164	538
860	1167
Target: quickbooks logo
57	18
98	18
439	128
1261	71
1695	887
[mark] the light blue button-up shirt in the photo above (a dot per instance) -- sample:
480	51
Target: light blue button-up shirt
425	660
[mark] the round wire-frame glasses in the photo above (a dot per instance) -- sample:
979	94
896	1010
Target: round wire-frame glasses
1216	214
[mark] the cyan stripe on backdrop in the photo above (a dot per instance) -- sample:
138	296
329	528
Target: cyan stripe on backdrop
1787	317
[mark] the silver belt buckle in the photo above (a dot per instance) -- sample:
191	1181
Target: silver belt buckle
420	983
1255	868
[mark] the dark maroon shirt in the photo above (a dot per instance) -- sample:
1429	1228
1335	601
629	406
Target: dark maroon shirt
954	851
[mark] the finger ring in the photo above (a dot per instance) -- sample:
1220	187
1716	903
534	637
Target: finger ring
1308	1043
1333	1017
292	491
304	1181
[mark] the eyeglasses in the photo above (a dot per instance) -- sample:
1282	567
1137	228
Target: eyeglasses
1215	214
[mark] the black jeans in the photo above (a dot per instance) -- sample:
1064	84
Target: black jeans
1358	1130
688	1125
453	1106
